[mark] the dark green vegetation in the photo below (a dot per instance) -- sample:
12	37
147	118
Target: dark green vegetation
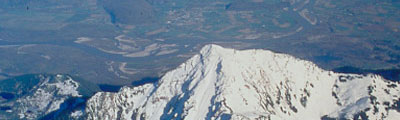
120	41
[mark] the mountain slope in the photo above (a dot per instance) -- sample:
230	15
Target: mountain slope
222	83
41	96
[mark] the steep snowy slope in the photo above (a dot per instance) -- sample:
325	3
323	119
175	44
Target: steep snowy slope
222	83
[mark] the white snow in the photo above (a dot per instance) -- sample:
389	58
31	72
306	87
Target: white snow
76	114
47	97
249	84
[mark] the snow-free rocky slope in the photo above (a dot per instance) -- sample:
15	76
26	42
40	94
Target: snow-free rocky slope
221	83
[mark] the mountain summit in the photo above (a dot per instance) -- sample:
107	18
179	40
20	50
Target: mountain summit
223	83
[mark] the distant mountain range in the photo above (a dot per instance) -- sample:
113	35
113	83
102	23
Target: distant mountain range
222	83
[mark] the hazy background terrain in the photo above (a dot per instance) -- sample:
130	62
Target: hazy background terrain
118	42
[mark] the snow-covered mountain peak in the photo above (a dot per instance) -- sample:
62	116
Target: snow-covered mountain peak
222	83
212	48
